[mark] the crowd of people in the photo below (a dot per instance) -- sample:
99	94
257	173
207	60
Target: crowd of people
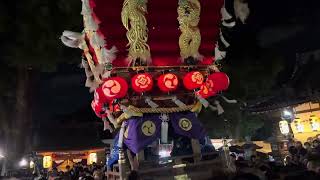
77	172
302	162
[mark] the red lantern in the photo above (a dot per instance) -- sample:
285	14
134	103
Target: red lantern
220	81
99	95
168	82
98	108
114	88
206	89
193	80
142	82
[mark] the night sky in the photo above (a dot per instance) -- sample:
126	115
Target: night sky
289	26
285	25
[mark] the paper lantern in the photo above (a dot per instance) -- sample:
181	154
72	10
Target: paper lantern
99	95
47	162
114	88
314	122
98	108
220	81
142	82
206	89
299	126
193	80
284	127
168	82
92	158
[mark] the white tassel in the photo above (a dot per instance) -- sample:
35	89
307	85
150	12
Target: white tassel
219	107
219	55
226	44
178	102
241	10
203	101
125	110
90	24
108	55
97	40
72	39
86	10
164	128
224	13
106	125
230	101
151	103
106	74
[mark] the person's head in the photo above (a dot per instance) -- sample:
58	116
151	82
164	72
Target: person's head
309	140
298	144
292	150
307	145
318	136
314	165
253	158
68	168
315	143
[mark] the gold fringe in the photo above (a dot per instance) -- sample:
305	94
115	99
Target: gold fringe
133	19
190	38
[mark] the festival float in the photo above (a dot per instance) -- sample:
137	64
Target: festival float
151	67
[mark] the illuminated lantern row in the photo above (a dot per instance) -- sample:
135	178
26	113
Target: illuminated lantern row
117	87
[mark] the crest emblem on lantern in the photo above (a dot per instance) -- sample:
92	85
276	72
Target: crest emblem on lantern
142	82
148	128
111	88
170	81
114	88
197	77
185	124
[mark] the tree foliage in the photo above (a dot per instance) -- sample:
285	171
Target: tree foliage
33	31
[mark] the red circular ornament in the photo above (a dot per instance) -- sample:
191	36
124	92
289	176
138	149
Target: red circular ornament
98	108
206	89
142	82
193	80
99	95
168	82
220	81
114	88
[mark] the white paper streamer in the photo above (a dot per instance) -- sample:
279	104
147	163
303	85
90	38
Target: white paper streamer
203	101
164	128
178	102
151	103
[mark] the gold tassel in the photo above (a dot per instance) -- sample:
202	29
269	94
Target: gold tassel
190	38
133	19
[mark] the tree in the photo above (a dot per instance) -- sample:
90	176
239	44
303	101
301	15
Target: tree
31	45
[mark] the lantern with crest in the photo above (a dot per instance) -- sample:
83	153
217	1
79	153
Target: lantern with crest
142	82
114	88
193	80
168	82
